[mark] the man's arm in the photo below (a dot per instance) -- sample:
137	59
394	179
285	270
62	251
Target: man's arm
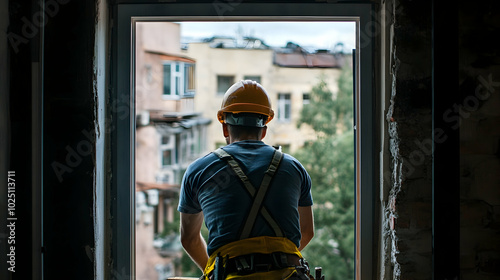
306	225
191	238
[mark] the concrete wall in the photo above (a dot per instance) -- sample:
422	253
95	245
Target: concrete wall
407	195
479	123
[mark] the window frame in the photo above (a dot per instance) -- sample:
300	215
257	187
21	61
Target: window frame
122	109
252	77
178	80
224	88
284	115
170	146
306	101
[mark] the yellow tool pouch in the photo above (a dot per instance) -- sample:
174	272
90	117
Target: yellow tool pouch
266	245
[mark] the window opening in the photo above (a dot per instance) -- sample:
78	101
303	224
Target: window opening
168	154
178	79
253	78
284	107
123	60
305	98
186	134
223	83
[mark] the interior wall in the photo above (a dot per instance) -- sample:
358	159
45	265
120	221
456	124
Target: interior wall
69	140
19	53
477	115
407	202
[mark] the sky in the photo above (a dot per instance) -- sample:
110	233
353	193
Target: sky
310	35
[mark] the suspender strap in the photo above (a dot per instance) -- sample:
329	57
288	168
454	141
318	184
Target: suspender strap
259	196
258	199
237	169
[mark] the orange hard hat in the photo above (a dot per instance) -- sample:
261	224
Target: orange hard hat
246	98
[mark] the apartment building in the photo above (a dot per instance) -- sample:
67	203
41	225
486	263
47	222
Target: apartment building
169	135
288	74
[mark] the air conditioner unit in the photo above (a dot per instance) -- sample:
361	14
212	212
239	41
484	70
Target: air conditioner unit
153	197
144	118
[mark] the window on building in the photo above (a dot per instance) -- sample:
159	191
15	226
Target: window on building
284	107
165	177
178	78
202	143
167	150
194	142
223	83
189	84
183	147
306	98
253	78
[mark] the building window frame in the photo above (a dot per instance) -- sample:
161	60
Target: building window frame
181	79
256	78
284	107
122	110
221	89
168	145
306	98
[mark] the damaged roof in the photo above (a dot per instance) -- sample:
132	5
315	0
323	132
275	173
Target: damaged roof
307	60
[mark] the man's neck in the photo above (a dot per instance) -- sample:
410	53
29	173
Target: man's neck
233	140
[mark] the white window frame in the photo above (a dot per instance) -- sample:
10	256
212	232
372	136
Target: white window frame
170	146
284	115
178	80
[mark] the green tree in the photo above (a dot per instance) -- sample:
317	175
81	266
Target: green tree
330	163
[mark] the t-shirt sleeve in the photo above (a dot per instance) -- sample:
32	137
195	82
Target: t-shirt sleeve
305	193
188	200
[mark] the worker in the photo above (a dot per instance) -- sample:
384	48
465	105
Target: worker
255	200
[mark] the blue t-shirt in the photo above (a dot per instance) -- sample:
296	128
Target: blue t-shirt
211	186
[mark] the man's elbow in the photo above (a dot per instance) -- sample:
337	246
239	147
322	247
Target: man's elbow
187	240
308	235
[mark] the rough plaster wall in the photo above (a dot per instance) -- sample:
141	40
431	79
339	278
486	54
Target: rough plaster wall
407	217
478	118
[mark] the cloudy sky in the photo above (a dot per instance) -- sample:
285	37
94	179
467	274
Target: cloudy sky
311	35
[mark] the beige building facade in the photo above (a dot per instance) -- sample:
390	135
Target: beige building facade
288	84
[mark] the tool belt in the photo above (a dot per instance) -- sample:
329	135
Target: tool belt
247	257
252	263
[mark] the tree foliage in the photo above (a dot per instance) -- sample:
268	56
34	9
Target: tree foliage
330	163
